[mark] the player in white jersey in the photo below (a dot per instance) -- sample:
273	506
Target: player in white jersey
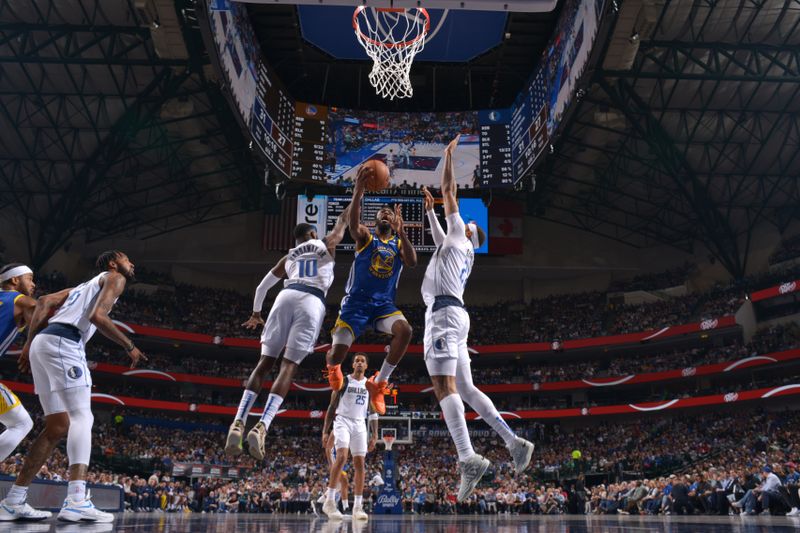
348	412
293	326
62	381
446	329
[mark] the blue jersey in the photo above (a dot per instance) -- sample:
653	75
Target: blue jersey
376	270
8	326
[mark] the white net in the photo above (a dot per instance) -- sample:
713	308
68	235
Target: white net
391	37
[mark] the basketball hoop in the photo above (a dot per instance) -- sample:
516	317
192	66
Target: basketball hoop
391	37
388	436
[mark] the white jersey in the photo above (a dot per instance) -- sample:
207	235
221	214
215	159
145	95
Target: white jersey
354	401
451	264
79	307
310	264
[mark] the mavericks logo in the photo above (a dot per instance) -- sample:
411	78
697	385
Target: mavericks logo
381	264
75	372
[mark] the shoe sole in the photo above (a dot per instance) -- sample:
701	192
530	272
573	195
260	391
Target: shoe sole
23	519
474	484
232	448
527	459
86	520
253	447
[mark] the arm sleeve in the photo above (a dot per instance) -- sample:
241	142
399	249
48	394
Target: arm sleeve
456	229
436	229
261	291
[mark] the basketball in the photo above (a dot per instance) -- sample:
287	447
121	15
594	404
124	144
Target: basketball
379	178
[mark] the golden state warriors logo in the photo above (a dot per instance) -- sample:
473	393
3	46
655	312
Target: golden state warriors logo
381	263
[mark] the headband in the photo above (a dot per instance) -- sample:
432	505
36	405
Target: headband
14	272
473	236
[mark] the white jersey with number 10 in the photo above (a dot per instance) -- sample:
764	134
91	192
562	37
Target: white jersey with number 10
310	264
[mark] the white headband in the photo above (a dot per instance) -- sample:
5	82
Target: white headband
14	272
473	236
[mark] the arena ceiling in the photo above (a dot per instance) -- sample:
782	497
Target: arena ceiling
112	120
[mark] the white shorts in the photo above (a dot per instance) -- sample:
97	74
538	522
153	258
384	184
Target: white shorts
350	433
446	332
57	364
294	322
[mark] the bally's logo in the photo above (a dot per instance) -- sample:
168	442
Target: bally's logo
75	372
787	287
388	500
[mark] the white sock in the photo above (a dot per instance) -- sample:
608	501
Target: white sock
345	504
484	406
246	403
358	500
271	409
76	490
17	495
386	371
331	494
453	411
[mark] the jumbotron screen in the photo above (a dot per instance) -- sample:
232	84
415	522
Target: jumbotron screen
322	212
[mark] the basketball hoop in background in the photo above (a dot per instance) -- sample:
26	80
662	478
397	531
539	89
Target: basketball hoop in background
391	37
388	436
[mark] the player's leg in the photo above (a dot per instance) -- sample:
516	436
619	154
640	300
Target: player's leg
280	388
15	418
273	339
344	489
329	507
441	358
521	450
353	318
358	448
390	321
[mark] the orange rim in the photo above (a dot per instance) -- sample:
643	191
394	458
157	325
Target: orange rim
357	28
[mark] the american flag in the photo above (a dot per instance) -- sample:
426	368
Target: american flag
278	228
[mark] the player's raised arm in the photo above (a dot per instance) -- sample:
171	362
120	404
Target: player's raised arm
449	188
358	230
272	277
436	229
113	285
336	235
407	252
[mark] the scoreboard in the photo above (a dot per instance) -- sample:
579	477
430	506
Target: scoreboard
310	134
272	123
497	169
529	125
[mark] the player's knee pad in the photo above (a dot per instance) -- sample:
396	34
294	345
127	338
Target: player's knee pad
342	336
79	438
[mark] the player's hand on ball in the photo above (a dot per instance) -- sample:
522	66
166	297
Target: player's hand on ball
452	146
397	222
428	198
364	174
136	355
254	321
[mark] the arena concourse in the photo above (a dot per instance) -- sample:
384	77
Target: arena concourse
619	176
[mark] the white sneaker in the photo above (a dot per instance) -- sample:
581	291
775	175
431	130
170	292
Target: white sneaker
10	512
329	508
472	471
255	441
233	444
521	451
359	514
765	513
794	512
322	498
85	510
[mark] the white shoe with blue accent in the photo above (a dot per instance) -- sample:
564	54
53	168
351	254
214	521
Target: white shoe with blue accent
83	511
10	512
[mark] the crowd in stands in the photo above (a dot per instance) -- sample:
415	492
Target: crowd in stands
672	277
788	249
718	458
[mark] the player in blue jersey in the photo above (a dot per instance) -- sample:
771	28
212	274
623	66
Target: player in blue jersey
16	310
381	254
